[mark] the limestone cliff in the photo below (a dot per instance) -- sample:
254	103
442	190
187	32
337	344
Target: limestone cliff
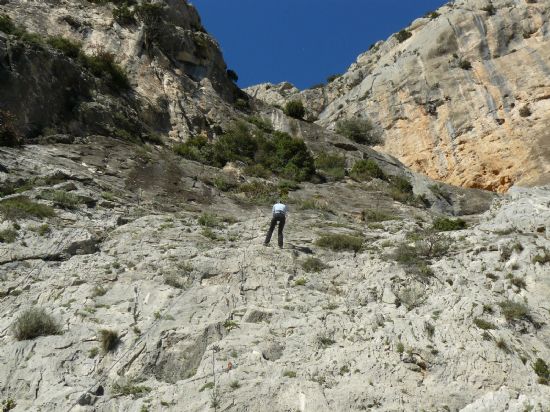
178	82
461	95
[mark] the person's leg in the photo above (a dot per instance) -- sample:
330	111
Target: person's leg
270	231
280	233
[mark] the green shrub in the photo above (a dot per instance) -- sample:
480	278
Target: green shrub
465	64
109	340
98	291
359	130
22	207
35	322
444	224
242	104
525	111
9	136
288	185
174	280
295	109
332	165
333	77
208	220
513	311
501	344
8	405
401	189
517	282
403	35
102	64
261	123
281	154
366	169
325	341
259	192
195	148
208	233
61	198
6	24
484	324
372	215
432	15
69	48
543	372
312	264
257	170
400	348
489	9
130	389
542	258
300	282
289	374
123	15
8	236
232	75
291	158
223	184
340	242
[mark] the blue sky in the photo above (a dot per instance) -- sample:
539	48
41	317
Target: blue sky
302	41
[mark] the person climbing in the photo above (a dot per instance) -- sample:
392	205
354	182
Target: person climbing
279	216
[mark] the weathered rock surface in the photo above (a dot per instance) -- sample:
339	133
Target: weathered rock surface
481	127
179	84
215	316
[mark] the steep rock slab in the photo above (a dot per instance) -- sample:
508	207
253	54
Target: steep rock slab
464	99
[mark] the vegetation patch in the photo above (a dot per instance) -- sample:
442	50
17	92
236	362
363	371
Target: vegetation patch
208	220
300	282
8	235
372	215
314	204
543	372
542	258
259	192
401	190
130	389
444	224
35	322
464	64
359	130
340	242
514	311
368	169
403	35
109	340
415	257
9	136
276	152
325	341
295	109
484	324
333	165
61	198
313	264
23	207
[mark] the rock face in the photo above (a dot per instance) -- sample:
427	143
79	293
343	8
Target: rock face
208	318
132	279
460	95
179	85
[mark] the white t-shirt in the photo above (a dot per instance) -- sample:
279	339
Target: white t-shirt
280	208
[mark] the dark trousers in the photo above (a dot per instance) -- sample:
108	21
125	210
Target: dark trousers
277	218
